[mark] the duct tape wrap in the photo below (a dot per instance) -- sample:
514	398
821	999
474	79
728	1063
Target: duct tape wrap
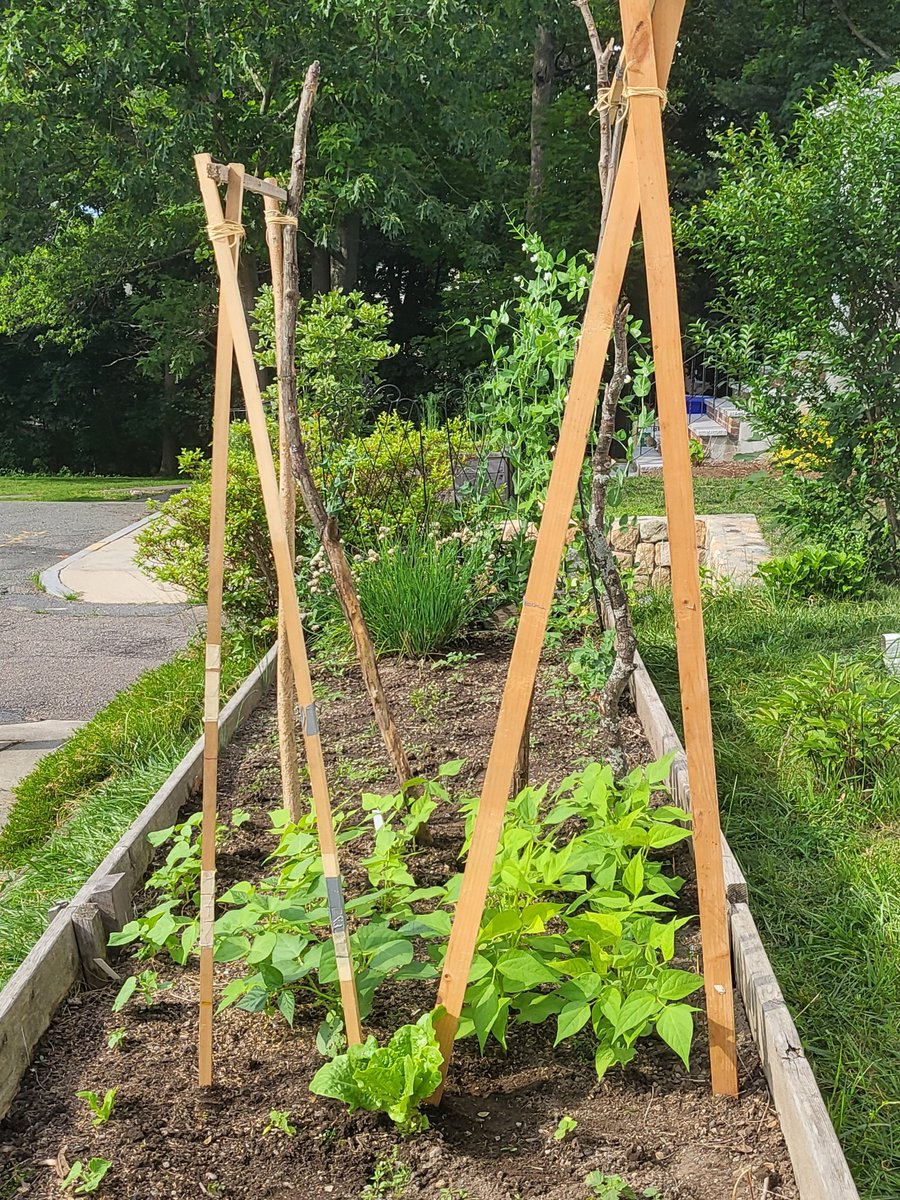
309	720
338	918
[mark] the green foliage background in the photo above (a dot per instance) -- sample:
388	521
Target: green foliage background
419	157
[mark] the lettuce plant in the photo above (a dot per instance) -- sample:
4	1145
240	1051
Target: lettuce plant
393	1079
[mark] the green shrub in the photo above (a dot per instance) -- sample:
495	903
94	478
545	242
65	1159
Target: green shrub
421	594
844	718
340	342
391	479
396	477
174	548
816	571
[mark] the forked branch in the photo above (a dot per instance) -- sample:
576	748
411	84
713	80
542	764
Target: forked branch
324	524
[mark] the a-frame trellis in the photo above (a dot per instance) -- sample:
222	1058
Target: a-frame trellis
650	37
649	41
225	231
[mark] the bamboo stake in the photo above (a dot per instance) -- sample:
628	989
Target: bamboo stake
287	732
659	258
609	272
211	686
220	235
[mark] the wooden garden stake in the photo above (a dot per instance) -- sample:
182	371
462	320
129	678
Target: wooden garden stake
287	734
222	234
644	95
211	687
606	284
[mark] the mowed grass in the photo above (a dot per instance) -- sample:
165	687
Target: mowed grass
77	487
823	860
757	492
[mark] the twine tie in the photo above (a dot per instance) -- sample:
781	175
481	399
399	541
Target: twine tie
273	217
225	231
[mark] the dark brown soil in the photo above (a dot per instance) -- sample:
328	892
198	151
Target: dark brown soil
492	1139
735	469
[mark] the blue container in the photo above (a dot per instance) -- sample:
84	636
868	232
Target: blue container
696	405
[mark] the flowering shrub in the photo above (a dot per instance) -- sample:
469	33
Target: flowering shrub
812	446
174	548
397	476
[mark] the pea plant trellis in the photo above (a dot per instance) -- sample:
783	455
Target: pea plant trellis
635	98
640	185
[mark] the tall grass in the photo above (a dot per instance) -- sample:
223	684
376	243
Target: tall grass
58	869
822	855
72	809
155	719
421	595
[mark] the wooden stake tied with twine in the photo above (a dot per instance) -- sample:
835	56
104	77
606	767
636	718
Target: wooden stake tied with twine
644	96
211	684
579	411
223	234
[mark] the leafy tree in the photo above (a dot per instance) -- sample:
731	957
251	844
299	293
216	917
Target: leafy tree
802	236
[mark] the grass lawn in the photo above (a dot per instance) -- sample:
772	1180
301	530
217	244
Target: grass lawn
822	857
77	487
756	492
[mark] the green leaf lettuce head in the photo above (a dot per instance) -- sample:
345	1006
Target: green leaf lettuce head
394	1079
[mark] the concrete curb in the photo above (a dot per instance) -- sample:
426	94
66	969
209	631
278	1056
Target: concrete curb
42	981
819	1164
50	577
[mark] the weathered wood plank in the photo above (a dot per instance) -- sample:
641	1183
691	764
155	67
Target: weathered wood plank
42	981
262	187
818	1160
90	938
30	998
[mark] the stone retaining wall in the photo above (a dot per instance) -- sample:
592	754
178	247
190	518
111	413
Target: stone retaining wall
731	546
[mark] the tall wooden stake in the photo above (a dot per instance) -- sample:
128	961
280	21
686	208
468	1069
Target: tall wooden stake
211	686
606	284
221	234
659	257
287	733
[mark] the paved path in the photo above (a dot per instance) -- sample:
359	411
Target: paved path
62	660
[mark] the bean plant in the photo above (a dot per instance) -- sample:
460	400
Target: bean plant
578	929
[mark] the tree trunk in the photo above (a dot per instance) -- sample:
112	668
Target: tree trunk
542	75
168	458
321	269
345	264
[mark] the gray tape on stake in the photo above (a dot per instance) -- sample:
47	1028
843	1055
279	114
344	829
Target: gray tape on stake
336	913
309	721
338	918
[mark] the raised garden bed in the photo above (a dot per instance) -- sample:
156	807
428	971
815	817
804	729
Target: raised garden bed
654	1124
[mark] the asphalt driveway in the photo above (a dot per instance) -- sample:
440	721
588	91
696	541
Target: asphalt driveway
64	659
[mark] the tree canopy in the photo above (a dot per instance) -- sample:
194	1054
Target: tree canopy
437	127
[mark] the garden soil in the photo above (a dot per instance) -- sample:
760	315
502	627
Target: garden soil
654	1124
